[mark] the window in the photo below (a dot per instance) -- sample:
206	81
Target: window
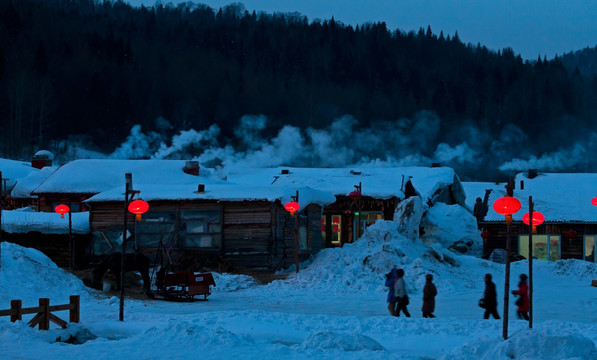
156	226
200	229
336	228
363	220
545	247
589	248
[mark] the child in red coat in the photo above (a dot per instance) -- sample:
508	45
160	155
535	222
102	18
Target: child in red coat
523	302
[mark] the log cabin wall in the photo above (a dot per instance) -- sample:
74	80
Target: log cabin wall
345	207
254	234
47	202
54	246
570	247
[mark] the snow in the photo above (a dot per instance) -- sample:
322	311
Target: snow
13	170
22	221
333	308
559	197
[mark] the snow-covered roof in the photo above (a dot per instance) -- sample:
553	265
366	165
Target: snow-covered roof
14	170
223	192
381	183
26	220
92	176
559	197
27	184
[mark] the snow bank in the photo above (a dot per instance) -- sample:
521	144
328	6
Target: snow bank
27	274
545	344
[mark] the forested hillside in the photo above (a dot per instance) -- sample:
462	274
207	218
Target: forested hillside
91	70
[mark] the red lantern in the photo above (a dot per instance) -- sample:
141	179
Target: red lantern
538	219
62	209
571	234
355	195
486	234
291	207
594	201
507	206
138	207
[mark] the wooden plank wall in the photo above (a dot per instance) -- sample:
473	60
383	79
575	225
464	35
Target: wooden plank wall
255	234
54	246
570	248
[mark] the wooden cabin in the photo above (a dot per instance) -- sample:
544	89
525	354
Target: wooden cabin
570	227
362	196
215	228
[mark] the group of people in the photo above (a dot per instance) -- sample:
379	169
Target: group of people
398	296
489	300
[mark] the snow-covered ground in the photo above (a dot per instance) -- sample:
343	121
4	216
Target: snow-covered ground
334	308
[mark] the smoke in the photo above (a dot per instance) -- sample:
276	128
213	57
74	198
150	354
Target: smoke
416	141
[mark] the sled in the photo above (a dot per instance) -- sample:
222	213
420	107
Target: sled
185	286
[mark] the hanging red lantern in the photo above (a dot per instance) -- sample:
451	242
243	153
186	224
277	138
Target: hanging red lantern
355	195
485	234
594	201
538	219
138	207
507	206
62	209
291	207
571	234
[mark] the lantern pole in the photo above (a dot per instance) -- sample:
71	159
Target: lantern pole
1	193
296	234
509	190
128	195
531	227
71	245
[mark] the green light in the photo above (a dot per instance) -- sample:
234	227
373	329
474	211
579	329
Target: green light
356	213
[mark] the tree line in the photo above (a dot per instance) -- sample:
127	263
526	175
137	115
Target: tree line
88	69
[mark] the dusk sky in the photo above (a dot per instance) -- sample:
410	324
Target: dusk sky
531	28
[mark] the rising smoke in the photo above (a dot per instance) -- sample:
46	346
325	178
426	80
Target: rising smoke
417	141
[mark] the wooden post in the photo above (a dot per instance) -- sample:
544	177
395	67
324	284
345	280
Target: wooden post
16	308
531	224
296	235
128	188
71	247
44	321
75	303
1	193
506	283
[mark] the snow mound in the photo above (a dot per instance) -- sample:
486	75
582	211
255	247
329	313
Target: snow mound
232	282
323	341
196	333
27	274
360	267
528	345
452	224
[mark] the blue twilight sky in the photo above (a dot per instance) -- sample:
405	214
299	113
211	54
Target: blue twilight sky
530	27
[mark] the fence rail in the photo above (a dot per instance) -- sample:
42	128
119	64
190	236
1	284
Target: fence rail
44	312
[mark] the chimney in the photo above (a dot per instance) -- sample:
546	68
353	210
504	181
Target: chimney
42	159
436	165
191	167
285	172
201	188
532	173
521	184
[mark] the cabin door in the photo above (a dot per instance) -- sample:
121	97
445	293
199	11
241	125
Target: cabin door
331	229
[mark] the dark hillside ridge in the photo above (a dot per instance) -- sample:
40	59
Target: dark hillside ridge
93	69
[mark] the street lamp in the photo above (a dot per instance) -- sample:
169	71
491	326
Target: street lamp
63	209
292	207
507	206
532	218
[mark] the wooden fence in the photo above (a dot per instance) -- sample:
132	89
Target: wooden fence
44	312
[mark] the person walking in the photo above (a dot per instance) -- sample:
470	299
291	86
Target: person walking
390	281
400	294
523	302
490	298
429	293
